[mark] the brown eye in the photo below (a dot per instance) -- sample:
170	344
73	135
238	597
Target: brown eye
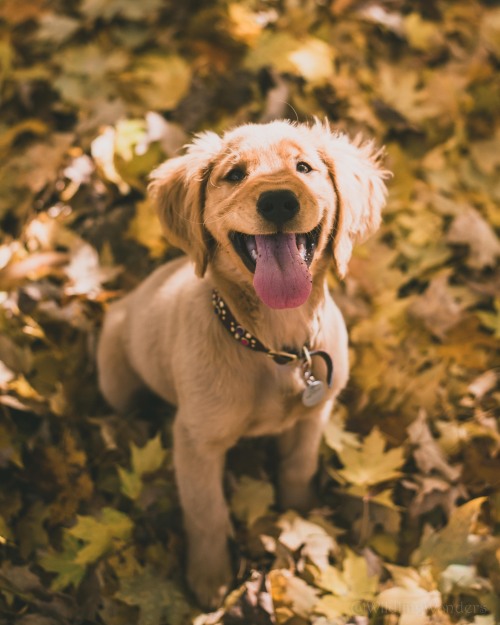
235	175
303	167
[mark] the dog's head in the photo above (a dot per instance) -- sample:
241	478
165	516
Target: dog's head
265	202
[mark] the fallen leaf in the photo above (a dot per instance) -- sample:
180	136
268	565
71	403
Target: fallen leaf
69	572
145	229
411	603
314	542
159	600
471	229
455	543
289	590
310	57
427	453
251	499
370	465
101	535
350	591
437	308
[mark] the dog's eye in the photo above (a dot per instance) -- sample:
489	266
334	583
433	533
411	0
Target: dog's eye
303	167
235	175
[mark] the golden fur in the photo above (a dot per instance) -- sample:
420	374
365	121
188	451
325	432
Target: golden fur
165	336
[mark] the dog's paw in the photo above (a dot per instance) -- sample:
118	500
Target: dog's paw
210	579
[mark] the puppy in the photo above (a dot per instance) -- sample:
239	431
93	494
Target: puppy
260	212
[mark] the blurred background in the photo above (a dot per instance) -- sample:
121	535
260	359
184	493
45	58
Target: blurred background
93	95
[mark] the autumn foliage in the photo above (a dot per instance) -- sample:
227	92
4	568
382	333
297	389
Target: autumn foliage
96	93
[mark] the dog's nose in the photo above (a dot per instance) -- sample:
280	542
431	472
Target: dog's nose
278	206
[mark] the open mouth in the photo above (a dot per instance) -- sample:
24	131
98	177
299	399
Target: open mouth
246	246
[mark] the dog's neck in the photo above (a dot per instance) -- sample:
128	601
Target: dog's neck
290	328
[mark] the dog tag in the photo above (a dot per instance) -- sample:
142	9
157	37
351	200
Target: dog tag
313	393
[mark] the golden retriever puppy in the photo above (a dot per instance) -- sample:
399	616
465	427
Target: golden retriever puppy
260	212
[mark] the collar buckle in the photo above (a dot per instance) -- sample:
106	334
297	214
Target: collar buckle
282	358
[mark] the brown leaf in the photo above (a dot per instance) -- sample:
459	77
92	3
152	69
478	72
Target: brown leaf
471	229
437	308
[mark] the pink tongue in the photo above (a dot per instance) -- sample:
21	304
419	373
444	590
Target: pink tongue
282	279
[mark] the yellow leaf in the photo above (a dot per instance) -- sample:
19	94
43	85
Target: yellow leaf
246	25
131	483
371	464
456	543
336	436
314	60
161	81
145	228
149	458
422	34
251	499
100	535
351	590
310	57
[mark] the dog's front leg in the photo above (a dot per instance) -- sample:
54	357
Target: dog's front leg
199	468
298	449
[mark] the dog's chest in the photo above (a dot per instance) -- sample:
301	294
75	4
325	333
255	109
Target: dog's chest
277	401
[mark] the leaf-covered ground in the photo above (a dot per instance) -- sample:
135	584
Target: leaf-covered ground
94	94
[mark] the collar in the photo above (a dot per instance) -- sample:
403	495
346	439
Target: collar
245	338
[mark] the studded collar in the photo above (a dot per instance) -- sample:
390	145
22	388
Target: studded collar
245	338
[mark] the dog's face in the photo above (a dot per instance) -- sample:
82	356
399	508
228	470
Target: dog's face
264	203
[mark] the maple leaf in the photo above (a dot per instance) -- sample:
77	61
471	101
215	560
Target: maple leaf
310	57
313	540
69	572
350	590
159	600
473	230
428	455
370	465
144	460
251	499
410	595
455	543
144	229
290	591
100	535
336	437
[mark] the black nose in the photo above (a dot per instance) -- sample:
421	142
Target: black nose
278	206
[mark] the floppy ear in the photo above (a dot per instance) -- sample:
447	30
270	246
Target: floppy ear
358	181
178	188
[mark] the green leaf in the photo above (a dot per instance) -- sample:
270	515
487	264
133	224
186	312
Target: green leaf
159	600
131	483
69	571
101	536
149	458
